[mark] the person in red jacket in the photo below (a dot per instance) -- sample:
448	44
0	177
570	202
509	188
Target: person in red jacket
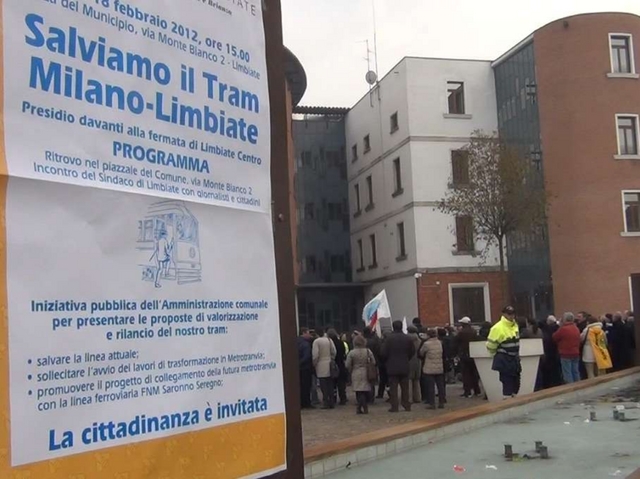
568	340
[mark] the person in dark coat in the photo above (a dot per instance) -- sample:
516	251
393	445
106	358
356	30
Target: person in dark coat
470	377
374	345
582	320
484	330
447	355
341	358
618	343
305	364
550	362
630	326
606	324
534	332
397	350
417	323
415	373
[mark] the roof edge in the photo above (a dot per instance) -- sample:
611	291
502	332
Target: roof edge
321	110
585	14
410	57
517	47
529	38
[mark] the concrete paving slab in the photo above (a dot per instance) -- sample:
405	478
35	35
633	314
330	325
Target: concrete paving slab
578	447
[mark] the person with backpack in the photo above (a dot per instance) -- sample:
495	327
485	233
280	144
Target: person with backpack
373	344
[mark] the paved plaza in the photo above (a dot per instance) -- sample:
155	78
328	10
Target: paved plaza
324	426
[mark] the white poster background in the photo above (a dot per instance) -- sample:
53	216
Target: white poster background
104	243
83	244
235	35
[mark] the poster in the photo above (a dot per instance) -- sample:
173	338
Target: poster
159	97
143	331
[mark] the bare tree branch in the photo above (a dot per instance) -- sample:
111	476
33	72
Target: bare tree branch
501	197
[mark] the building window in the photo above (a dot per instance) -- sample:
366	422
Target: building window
309	211
532	91
331	211
397	177
621	54
367	144
369	193
627	135
360	256
356	191
374	252
310	264
469	300
460	167
337	263
464	234
394	122
307	159
402	247
631	211
455	92
354	152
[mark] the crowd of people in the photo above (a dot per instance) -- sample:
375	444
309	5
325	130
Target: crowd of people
583	346
413	365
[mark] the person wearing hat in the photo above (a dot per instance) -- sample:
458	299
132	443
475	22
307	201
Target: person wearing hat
503	344
470	380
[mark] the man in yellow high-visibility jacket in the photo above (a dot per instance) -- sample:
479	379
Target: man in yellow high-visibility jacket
504	345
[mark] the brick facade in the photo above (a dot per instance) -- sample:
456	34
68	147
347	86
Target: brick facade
590	261
433	294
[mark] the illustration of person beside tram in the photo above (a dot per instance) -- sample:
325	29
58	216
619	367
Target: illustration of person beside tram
162	254
169	237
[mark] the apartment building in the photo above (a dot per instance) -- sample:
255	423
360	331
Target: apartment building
569	97
404	143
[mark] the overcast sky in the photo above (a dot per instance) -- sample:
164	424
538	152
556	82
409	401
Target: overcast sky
328	35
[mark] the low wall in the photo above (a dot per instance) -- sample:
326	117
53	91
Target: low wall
326	459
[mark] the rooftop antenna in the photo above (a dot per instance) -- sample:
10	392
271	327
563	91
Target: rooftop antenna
375	36
371	77
372	74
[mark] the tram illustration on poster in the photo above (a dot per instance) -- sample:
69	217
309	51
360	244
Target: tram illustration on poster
169	242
